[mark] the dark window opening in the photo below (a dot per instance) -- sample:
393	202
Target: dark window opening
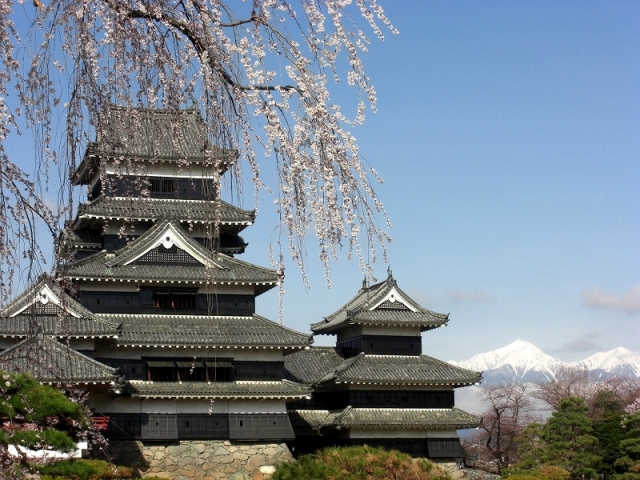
191	371
162	371
166	299
218	374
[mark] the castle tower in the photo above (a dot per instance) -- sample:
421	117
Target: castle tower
376	387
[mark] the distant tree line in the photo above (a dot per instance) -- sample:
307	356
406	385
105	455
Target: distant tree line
593	430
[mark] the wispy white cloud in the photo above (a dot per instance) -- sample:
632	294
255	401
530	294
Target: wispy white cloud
628	302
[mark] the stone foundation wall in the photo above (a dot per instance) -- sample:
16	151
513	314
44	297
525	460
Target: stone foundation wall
206	459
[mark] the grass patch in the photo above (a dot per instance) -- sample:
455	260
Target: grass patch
357	463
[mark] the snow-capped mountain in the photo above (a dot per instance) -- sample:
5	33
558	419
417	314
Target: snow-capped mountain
522	361
617	361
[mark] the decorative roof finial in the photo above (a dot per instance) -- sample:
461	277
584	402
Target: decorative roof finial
389	274
364	283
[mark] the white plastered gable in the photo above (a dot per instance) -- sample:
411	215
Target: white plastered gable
44	296
393	296
168	237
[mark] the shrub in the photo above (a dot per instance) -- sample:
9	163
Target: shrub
356	463
52	439
83	470
545	471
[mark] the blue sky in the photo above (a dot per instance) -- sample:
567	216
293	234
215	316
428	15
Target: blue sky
508	137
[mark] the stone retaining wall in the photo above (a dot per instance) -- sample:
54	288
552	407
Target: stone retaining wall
206	459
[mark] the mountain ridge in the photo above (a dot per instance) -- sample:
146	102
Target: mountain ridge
522	361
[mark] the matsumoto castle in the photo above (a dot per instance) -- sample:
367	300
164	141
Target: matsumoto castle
154	314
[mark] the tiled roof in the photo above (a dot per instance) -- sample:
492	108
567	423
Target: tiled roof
46	307
307	418
48	360
152	209
154	134
233	272
193	330
366	308
385	418
223	269
73	239
248	390
401	370
312	365
321	365
62	327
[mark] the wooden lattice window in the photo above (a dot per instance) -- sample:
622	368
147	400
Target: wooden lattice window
161	255
155	185
38	308
162	185
392	306
168	186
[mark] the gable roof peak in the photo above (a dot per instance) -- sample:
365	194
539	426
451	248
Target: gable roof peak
382	304
166	233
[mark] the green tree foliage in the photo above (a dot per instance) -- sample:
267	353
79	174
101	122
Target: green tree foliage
606	414
38	416
356	463
545	471
531	449
629	462
81	469
570	441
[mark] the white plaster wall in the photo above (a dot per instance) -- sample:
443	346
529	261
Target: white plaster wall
257	355
227	289
444	433
131	286
77	344
410	388
164	169
105	405
257	406
382	433
110	286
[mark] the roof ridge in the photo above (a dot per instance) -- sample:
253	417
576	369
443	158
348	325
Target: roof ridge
349	363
